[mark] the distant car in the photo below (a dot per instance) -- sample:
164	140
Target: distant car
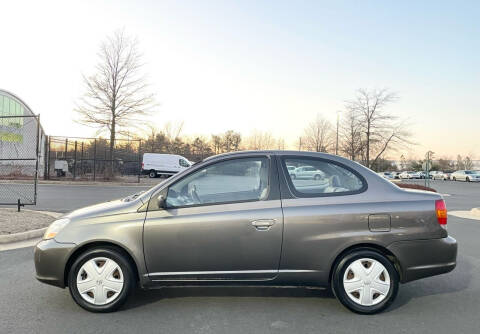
291	169
307	172
406	175
396	175
466	175
386	175
440	176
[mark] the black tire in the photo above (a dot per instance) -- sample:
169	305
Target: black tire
454	178
338	286
467	179
128	278
152	174
316	177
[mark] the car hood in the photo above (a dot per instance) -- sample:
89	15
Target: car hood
105	209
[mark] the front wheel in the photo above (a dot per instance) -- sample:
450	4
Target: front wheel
365	281
467	179
101	279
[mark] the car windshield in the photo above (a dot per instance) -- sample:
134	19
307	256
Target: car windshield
470	172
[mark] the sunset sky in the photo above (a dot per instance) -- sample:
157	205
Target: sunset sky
265	65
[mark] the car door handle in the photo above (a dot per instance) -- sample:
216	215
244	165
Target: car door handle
263	224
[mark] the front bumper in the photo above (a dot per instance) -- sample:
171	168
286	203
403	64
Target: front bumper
424	258
50	259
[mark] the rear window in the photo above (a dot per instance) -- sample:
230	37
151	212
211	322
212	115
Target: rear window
324	178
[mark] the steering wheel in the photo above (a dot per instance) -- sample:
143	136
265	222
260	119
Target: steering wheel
194	194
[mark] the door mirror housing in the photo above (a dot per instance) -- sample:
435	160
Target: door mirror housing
161	201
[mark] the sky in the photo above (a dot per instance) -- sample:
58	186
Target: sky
258	65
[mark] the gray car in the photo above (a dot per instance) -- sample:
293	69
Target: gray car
241	219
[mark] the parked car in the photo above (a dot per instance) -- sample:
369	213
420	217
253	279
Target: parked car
291	169
465	175
396	175
155	164
241	219
386	175
441	176
407	175
307	172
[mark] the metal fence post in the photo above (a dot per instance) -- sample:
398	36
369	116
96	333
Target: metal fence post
75	161
46	162
36	163
139	159
82	172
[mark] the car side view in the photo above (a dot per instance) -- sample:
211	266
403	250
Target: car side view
242	219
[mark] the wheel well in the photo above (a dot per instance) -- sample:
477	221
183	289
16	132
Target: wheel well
374	247
97	244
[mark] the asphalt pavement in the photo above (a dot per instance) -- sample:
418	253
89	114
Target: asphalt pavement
443	304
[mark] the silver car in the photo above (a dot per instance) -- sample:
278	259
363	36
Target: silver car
466	175
242	219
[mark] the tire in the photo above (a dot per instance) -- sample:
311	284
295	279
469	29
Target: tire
152	174
316	177
294	176
388	278
467	179
454	179
120	277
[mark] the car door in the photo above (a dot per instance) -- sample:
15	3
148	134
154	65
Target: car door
223	220
312	223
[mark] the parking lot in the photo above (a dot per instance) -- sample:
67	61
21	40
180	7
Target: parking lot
442	304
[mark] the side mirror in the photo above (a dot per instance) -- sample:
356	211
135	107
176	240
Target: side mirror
161	202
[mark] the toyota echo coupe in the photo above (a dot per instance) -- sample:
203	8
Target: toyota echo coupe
242	219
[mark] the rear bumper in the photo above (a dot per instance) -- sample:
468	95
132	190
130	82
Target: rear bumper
50	259
424	258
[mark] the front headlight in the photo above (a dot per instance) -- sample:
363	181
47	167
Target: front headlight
55	227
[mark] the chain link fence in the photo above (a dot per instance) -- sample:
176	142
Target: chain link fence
19	159
93	159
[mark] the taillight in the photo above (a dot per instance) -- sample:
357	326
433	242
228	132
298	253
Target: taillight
142	165
441	210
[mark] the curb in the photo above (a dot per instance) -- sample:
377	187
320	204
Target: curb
21	236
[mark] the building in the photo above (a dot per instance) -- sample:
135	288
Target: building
22	139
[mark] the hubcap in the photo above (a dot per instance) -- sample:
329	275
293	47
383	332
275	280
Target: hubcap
100	281
366	282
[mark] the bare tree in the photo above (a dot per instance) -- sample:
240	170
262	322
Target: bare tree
468	163
260	140
116	95
173	130
319	135
351	135
380	129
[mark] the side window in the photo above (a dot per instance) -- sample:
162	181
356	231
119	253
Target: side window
323	178
236	180
183	163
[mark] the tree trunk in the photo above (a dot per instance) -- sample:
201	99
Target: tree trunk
112	147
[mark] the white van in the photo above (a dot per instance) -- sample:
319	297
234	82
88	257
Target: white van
163	164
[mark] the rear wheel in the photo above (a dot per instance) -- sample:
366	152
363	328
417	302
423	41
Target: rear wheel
101	279
152	174
467	179
365	281
316	177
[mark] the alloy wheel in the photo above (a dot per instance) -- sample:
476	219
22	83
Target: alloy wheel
366	282
100	281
